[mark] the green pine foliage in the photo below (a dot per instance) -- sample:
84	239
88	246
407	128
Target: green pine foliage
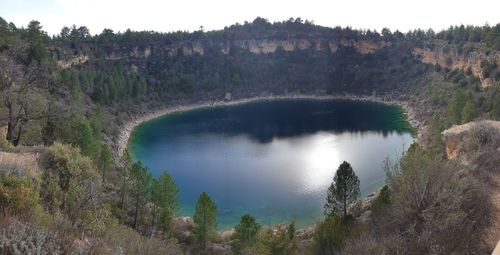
461	107
495	111
165	196
278	241
343	192
105	160
141	181
382	202
205	220
245	236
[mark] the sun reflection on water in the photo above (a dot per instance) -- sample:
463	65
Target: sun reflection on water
321	159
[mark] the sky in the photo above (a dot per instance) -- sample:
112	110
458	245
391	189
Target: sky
189	15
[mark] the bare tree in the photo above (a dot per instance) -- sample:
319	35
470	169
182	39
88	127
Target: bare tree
21	90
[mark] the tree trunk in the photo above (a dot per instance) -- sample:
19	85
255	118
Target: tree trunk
10	136
15	142
204	231
10	124
122	200
136	210
345	204
153	220
103	173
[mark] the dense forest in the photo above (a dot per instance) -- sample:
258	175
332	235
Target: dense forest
66	97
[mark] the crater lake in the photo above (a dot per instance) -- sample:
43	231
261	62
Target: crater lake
272	159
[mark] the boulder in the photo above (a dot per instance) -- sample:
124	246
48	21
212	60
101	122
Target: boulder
183	228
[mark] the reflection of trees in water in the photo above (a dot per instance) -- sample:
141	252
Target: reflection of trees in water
264	121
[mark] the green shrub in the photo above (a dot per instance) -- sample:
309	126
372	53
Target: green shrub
382	202
18	195
71	184
280	241
330	234
461	107
245	234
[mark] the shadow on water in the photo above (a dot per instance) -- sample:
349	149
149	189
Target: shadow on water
264	121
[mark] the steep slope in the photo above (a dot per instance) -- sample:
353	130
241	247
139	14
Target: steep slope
477	146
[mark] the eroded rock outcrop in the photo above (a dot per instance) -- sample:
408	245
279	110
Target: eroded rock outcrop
76	60
461	59
266	46
199	47
455	138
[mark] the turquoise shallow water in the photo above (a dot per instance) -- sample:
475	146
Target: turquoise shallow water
272	159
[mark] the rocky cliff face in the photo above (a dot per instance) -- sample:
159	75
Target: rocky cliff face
263	46
460	59
455	137
270	46
467	58
77	60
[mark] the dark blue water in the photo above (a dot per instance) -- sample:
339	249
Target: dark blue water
272	159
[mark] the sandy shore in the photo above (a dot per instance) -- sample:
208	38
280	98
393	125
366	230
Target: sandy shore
132	124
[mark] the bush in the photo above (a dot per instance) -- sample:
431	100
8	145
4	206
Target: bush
280	241
21	238
483	135
468	112
124	240
18	195
368	244
71	184
329	235
480	146
461	107
245	234
381	204
433	208
487	68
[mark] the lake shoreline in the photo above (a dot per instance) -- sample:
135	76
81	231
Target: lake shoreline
130	125
185	221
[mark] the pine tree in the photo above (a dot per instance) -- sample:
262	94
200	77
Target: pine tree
164	194
204	219
343	191
141	180
105	160
126	169
245	233
169	203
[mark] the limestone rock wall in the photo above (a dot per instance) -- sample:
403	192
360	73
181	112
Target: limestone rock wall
458	59
255	46
77	60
